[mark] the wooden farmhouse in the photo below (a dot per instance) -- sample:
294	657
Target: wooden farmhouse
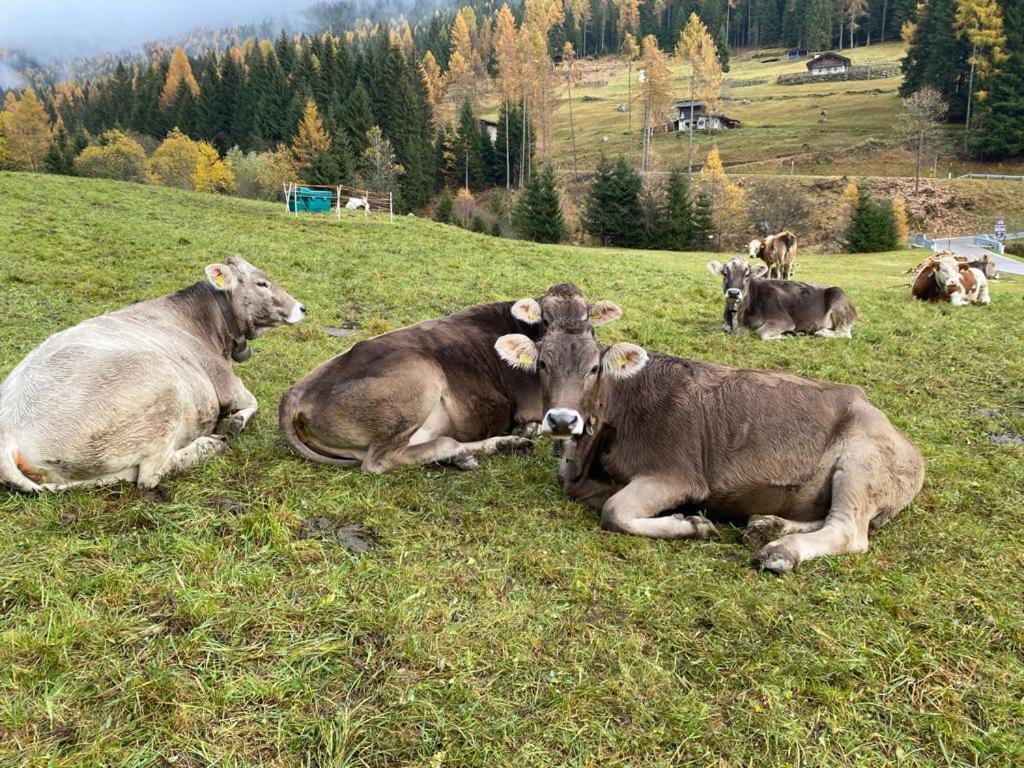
828	63
490	130
702	120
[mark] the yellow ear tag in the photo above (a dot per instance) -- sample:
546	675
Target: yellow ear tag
532	314
525	359
623	361
219	279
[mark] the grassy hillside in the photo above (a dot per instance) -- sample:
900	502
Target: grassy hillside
495	625
783	128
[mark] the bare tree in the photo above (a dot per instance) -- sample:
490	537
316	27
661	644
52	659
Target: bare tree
925	111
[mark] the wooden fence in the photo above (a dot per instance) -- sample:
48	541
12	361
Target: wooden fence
868	72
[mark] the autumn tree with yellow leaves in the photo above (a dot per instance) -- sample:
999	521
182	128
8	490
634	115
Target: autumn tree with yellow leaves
26	132
727	199
654	94
178	71
696	49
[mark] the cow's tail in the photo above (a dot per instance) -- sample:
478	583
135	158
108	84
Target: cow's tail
841	312
10	473
290	418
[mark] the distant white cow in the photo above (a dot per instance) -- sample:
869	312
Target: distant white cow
355	203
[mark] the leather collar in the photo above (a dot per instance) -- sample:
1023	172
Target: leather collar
240	351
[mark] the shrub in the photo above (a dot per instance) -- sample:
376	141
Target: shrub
445	210
187	164
212	174
116	156
538	211
874	226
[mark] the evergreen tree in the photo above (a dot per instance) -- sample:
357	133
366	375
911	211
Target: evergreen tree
703	222
817	35
613	213
210	109
538	212
61	156
445	210
469	148
678	232
183	114
271	117
236	107
999	130
653	207
873	226
357	118
937	57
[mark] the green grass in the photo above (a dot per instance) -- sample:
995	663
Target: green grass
496	625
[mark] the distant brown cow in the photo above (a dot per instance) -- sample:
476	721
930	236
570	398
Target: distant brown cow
778	251
811	467
774	308
430	393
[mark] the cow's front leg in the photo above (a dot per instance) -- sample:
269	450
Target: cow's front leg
633	509
770	331
237	412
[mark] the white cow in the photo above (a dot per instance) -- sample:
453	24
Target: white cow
136	395
355	203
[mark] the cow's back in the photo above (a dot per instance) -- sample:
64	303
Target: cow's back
809	306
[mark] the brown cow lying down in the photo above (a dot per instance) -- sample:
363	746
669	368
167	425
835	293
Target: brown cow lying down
773	308
429	393
811	467
944	278
136	395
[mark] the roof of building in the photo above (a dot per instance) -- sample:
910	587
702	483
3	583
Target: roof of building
828	55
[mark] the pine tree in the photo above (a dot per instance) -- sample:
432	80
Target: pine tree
61	155
817	34
538	212
873	227
210	112
936	56
445	210
469	148
235	103
183	114
999	129
357	118
613	213
703	218
678	231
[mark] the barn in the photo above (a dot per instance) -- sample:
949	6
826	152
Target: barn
828	63
702	120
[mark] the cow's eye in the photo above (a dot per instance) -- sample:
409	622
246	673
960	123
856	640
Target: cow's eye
541	365
262	283
595	369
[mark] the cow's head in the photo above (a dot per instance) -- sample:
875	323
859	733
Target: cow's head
564	304
947	275
736	276
755	248
256	302
988	266
571	364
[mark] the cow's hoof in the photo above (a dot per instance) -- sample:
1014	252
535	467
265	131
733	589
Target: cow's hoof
467	462
529	431
232	426
705	529
777	558
513	445
763	529
156	495
211	445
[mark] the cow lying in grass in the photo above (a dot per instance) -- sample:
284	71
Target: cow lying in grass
774	308
811	468
136	395
944	278
429	393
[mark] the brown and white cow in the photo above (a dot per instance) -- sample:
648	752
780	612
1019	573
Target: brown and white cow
430	393
810	467
136	395
945	278
774	308
778	251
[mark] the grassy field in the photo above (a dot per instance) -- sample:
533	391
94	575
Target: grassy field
495	625
783	129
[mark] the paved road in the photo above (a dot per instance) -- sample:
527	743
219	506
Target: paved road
965	246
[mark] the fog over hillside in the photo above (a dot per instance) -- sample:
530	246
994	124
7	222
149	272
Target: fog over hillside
63	29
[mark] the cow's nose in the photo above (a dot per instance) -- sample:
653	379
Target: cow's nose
733	293
562	422
303	310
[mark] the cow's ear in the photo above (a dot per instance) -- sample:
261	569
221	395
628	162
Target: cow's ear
603	311
759	271
623	360
527	310
517	350
715	267
221	277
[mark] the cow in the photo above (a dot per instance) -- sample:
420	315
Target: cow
810	467
773	308
944	278
355	203
432	393
139	394
778	251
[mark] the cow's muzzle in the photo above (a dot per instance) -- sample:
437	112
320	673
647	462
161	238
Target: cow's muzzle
562	423
733	295
297	315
